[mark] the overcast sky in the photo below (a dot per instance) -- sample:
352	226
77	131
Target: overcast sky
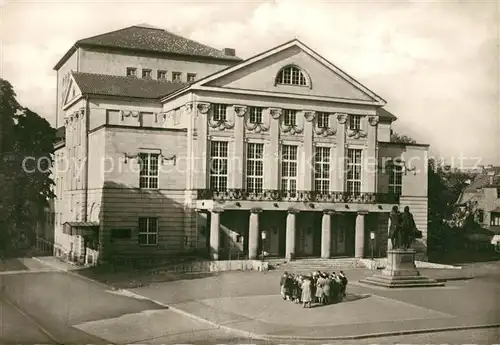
436	63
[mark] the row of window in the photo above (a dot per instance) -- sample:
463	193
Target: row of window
219	154
289	117
289	169
160	75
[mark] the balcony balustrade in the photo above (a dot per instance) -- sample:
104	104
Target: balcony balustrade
296	196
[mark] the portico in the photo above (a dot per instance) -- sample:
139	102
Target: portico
293	228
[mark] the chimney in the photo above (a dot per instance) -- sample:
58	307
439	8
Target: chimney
229	51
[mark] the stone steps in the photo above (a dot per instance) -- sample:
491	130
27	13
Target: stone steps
309	265
401	282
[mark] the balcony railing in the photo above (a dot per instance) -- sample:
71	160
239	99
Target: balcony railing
304	196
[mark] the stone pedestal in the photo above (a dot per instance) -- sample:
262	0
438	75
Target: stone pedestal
401	272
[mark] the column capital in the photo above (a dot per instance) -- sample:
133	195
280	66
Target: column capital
217	210
329	212
292	210
255	210
363	213
275	112
240	110
203	107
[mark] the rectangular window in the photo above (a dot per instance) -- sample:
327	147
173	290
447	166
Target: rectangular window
495	219
322	169
219	112
131	72
146	73
148	231
355	122
255	115
289	168
218	165
255	167
191	77
353	171
290	117
323	120
162	75
395	179
176	77
148	175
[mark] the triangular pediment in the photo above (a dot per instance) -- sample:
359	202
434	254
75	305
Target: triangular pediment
71	92
322	78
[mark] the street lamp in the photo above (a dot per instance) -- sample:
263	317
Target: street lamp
263	236
372	241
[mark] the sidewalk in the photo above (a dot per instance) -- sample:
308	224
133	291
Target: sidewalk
248	303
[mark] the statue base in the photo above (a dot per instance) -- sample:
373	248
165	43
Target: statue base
401	272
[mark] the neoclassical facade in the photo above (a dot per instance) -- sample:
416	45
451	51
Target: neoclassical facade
175	152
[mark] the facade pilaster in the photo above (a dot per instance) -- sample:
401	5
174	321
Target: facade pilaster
271	178
238	156
201	162
339	163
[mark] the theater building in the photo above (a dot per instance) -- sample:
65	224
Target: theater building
173	147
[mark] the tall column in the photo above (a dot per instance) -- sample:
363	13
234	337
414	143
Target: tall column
253	233
360	235
326	234
215	233
290	234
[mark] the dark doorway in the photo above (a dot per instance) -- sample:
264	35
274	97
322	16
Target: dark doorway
317	233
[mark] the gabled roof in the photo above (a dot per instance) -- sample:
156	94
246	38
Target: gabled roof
147	38
111	85
482	180
199	84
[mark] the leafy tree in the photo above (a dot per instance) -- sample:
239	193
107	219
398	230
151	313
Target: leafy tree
25	188
404	139
446	221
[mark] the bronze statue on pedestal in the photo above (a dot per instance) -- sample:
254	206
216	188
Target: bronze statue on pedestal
402	230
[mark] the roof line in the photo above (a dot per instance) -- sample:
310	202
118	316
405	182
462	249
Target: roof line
329	65
77	43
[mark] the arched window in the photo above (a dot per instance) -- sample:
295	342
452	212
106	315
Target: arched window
291	75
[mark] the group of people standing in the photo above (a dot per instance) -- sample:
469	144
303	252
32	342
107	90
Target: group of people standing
318	287
402	230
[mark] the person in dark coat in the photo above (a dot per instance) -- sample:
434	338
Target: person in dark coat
326	289
395	227
282	285
334	288
408	227
288	287
344	281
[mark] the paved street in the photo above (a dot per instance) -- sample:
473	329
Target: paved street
42	304
47	304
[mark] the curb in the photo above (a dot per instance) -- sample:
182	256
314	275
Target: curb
258	336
